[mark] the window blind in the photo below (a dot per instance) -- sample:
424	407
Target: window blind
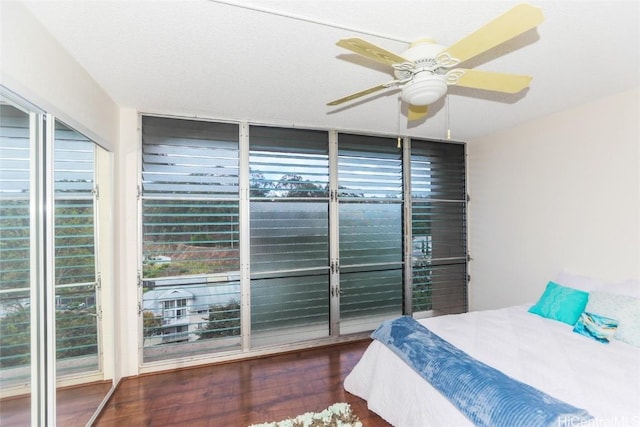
190	218
439	247
189	197
75	251
14	246
74	248
289	234
370	230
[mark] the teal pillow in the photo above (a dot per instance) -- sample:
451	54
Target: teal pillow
561	303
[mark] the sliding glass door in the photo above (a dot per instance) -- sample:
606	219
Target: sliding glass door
15	250
76	278
50	305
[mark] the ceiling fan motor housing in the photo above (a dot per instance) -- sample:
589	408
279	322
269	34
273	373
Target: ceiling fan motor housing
426	86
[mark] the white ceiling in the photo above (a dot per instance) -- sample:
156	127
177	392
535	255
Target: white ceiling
275	61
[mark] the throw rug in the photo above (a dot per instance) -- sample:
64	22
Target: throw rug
336	415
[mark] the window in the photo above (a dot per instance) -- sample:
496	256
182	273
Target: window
75	262
370	232
255	236
191	252
289	222
173	310
15	241
438	212
74	234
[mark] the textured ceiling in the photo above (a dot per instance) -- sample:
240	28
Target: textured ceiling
276	61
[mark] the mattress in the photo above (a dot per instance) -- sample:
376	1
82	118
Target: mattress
604	379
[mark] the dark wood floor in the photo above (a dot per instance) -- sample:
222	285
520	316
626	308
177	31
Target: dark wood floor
230	394
75	406
240	393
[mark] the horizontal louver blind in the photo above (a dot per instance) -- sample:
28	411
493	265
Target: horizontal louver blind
289	199
74	208
190	197
370	230
14	246
75	267
369	167
437	171
189	159
439	247
289	220
191	240
370	195
291	163
14	199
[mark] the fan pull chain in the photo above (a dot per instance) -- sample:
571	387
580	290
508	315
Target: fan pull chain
446	117
398	123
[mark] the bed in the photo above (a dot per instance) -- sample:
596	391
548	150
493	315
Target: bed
539	350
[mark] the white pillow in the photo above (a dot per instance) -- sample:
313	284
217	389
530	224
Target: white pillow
623	308
629	287
575	281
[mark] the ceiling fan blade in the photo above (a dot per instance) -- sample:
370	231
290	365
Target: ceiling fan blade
371	51
363	93
510	24
488	80
417	112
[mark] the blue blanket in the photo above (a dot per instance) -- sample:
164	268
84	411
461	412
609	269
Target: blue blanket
485	395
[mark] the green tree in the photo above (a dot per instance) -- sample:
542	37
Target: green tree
223	321
14	337
297	186
14	244
259	185
76	332
151	323
74	241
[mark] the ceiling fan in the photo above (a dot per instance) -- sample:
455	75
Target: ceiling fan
424	71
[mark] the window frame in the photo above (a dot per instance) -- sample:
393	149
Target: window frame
245	272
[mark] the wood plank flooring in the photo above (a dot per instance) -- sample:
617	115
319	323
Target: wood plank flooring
240	393
230	394
75	406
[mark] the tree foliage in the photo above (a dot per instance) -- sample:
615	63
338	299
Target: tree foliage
76	334
223	321
76	324
151	323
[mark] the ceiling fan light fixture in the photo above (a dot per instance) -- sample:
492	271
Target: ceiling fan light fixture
424	89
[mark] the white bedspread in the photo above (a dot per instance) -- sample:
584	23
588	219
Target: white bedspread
602	378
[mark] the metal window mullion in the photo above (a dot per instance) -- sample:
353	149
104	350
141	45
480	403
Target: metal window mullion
38	399
43	345
407	294
98	272
244	238
49	285
334	241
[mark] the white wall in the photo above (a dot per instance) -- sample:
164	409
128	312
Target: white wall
36	67
560	192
